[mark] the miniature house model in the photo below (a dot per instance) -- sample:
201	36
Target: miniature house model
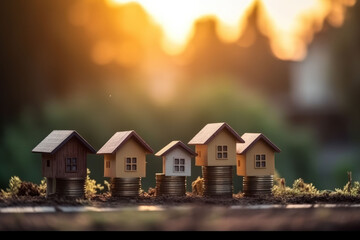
176	159
256	163
176	166
64	156
125	162
215	146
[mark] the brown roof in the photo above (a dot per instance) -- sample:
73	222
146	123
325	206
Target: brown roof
119	138
56	139
250	139
173	145
210	131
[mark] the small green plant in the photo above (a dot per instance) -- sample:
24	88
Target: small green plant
91	187
14	186
198	186
107	185
42	187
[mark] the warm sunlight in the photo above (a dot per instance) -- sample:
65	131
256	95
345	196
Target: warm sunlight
289	24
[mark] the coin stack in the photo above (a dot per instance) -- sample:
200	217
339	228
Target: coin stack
125	187
170	185
218	181
70	187
257	185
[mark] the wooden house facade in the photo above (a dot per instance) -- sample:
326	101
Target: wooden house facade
64	156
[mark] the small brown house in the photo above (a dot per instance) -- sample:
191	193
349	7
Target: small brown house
125	155
215	145
64	156
255	157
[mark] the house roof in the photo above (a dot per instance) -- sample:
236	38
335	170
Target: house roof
208	132
173	145
251	139
57	138
119	138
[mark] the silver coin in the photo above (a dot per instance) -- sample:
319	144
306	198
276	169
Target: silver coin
257	185
70	187
125	187
218	181
170	185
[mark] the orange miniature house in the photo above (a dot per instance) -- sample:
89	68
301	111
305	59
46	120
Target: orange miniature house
215	145
125	155
255	157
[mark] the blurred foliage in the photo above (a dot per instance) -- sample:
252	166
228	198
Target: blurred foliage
345	49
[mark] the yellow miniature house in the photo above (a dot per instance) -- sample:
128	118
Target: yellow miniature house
256	156
215	145
125	155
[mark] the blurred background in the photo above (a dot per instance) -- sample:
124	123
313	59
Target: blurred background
287	68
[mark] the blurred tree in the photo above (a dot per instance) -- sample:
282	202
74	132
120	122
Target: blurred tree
346	63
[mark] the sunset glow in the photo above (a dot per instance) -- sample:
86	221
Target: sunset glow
289	24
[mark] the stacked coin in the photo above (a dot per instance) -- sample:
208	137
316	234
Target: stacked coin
257	185
218	181
170	185
125	187
70	187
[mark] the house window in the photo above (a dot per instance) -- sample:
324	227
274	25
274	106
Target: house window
179	165
107	164
222	152
131	164
47	163
260	161
238	163
71	165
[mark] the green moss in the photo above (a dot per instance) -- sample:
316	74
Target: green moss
299	188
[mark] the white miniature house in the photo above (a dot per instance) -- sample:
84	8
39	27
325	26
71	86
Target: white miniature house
176	159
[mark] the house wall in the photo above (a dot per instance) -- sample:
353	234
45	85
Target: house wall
240	165
169	162
260	147
110	172
222	138
73	148
47	171
201	158
163	164
130	149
